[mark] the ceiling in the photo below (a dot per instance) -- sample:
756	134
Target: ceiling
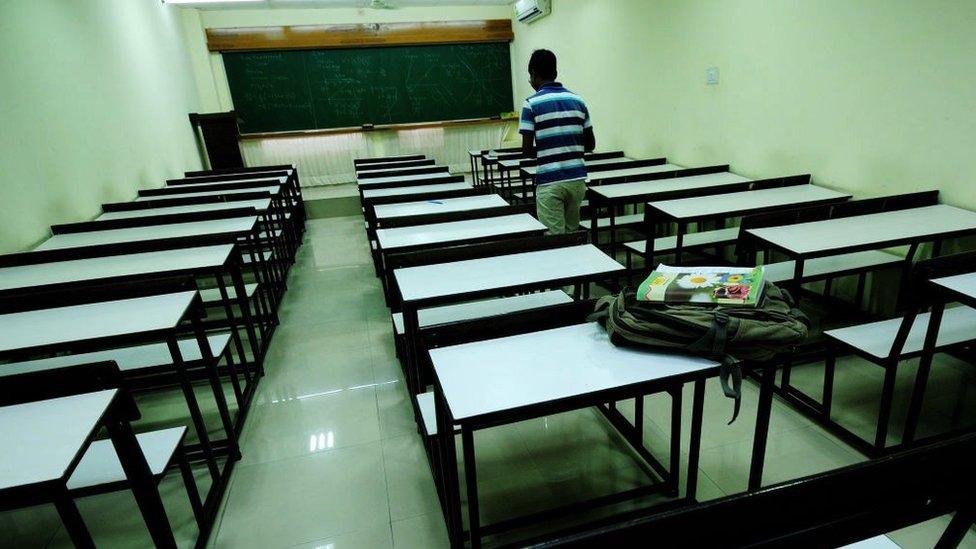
252	4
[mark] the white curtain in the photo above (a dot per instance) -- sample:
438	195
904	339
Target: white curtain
327	159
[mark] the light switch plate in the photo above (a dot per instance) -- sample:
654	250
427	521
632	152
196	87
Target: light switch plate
711	76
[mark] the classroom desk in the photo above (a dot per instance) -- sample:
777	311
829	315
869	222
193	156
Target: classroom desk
445	283
368	182
215	261
415	189
507	167
467	203
234	226
491	158
244	174
125	322
43	443
271	212
392	158
617	194
362	175
290	191
454	233
274	190
912	226
282	180
393	165
683	211
957	288
502	381
261	205
231	229
530	171
471	230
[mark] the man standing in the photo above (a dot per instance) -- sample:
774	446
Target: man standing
556	131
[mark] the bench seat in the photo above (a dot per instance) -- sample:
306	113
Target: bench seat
246	256
621	220
211	296
129	359
876	338
100	465
833	265
666	244
479	309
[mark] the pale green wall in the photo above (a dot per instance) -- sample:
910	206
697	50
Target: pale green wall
874	96
215	93
94	96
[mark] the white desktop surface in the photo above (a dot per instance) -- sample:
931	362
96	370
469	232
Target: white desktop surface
263	180
260	205
701	206
372	181
287	171
390	158
530	170
432	169
630	172
461	204
418	235
459	277
486	307
962	284
416	189
150	232
865	230
41	439
58	272
500	374
392	165
273	190
621	190
30	329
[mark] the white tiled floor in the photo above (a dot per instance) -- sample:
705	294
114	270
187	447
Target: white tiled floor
333	460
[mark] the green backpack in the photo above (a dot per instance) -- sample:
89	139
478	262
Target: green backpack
729	335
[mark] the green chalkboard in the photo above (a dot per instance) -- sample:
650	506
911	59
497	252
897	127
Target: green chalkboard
335	88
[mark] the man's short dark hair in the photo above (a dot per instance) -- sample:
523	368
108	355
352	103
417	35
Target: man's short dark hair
543	64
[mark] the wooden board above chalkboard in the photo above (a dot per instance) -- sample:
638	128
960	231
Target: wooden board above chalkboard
359	35
333	88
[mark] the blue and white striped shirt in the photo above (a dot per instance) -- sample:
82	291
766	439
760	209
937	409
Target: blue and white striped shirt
557	118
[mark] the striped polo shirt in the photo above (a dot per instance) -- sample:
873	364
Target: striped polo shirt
557	117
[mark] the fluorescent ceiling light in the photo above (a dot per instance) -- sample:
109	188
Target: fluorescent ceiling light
209	1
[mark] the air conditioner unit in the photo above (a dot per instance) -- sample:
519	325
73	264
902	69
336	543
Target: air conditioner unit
528	11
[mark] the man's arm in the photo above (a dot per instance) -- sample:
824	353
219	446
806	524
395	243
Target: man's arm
528	145
589	140
527	129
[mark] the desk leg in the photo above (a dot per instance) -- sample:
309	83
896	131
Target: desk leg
191	491
694	449
257	349
953	535
796	284
762	427
679	242
73	522
210	363
612	210
141	481
471	482
449	470
236	338
194	407
674	472
887	399
411	331
922	375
